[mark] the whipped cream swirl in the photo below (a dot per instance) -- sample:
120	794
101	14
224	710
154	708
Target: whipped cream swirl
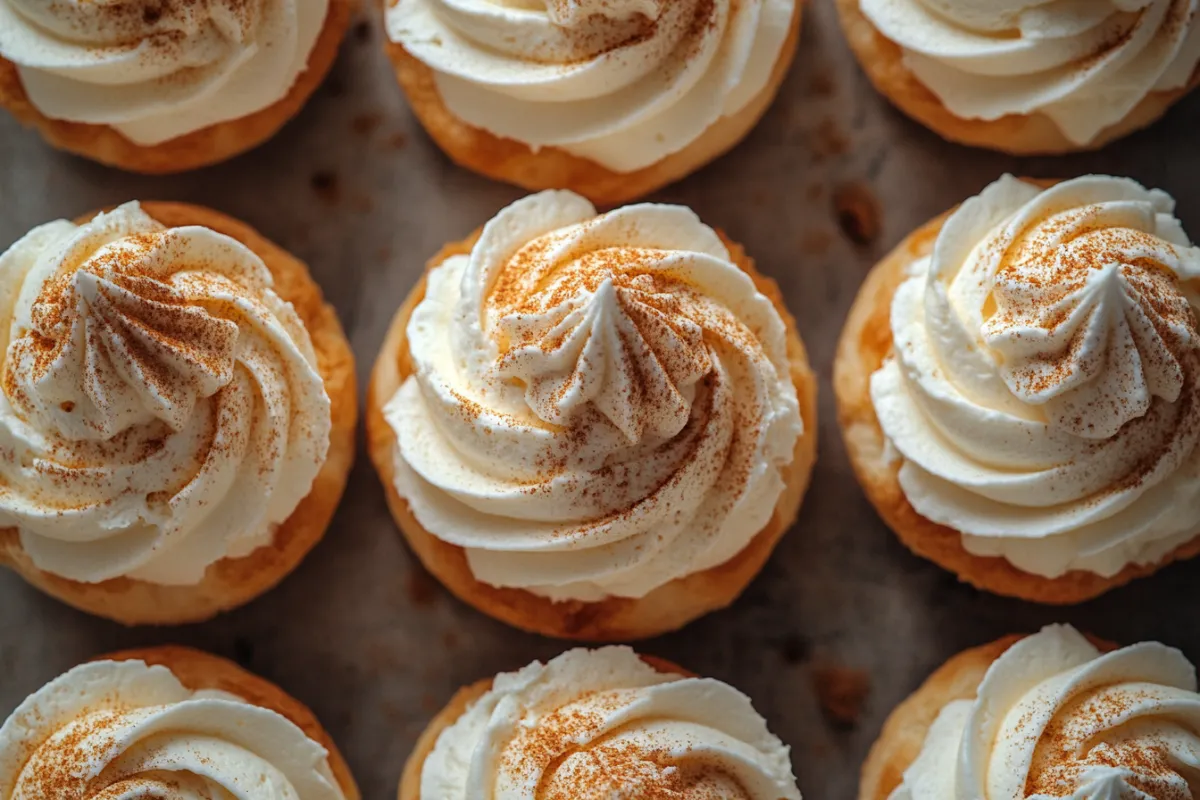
599	405
161	406
1054	718
1043	390
624	83
603	723
1084	65
156	69
117	730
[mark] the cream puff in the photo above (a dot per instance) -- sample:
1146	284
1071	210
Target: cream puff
177	412
593	426
156	86
609	99
1045	716
167	722
1036	77
1019	388
599	723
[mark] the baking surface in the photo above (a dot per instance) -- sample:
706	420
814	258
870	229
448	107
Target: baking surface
354	188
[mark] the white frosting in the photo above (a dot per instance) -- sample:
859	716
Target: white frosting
603	723
1043	393
157	70
161	406
1085	64
1053	718
624	83
599	404
122	730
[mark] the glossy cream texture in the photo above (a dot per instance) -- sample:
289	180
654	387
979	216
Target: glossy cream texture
155	71
1055	718
120	730
1085	65
599	404
1042	393
161	406
603	723
624	83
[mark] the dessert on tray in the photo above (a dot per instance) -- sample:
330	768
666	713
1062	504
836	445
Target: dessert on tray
593	426
599	723
1019	388
156	87
177	412
167	722
609	98
1038	76
1050	715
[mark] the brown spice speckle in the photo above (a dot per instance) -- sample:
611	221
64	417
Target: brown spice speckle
841	691
858	213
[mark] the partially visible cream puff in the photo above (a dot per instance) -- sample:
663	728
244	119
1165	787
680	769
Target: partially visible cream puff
177	412
159	86
608	98
594	426
599	723
1019	388
167	722
1053	715
1036	77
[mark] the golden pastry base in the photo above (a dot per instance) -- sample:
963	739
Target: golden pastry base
615	619
201	148
552	168
232	582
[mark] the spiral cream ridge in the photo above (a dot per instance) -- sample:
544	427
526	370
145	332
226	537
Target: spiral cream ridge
624	83
123	730
1085	65
1055	718
605	724
599	404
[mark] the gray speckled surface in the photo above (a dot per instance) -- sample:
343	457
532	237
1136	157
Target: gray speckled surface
374	650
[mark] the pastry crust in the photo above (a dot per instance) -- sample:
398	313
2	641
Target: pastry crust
198	670
201	148
232	582
668	607
553	168
1018	134
865	342
410	782
904	732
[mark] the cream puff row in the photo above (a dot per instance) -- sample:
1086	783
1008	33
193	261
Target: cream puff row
612	99
1055	714
598	425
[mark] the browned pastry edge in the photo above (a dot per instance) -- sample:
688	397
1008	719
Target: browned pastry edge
614	619
198	670
232	582
553	168
410	782
904	732
1017	134
200	148
866	341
